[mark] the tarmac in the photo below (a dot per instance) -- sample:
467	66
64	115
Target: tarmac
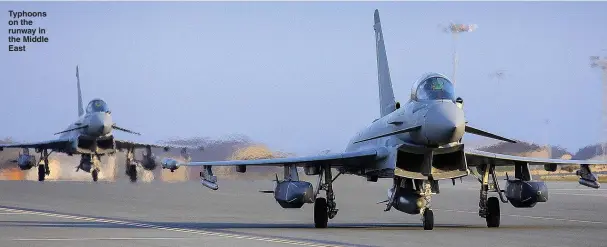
107	214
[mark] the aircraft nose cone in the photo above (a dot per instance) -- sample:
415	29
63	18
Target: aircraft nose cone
444	123
100	124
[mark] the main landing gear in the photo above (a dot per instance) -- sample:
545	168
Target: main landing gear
131	165
428	219
43	169
489	208
325	208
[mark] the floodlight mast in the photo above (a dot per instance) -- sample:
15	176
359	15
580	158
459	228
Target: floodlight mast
455	29
601	63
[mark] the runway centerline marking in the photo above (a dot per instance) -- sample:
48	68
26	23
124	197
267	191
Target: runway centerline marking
173	229
528	216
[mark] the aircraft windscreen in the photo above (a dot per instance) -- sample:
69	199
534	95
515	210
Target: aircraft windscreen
97	106
435	88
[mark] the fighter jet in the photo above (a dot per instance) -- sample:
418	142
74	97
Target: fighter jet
416	145
91	137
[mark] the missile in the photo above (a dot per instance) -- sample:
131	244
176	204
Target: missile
209	184
171	164
589	183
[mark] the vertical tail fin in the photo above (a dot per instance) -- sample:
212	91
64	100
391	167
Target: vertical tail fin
386	95
80	107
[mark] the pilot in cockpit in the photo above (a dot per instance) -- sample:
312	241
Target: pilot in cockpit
97	105
436	88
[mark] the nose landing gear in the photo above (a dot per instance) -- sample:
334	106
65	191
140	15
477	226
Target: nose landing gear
131	165
43	169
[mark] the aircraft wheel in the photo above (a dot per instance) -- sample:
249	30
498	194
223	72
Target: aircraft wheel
428	219
41	172
132	172
493	212
95	174
321	213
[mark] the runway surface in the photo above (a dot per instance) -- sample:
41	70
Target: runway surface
63	213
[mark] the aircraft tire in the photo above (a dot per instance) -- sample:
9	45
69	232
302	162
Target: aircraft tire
95	175
428	219
321	213
493	212
41	172
132	172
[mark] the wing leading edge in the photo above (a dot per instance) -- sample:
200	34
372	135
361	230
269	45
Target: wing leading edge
586	176
477	157
356	158
50	144
351	159
60	143
122	144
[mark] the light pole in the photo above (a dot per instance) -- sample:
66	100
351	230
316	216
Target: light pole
455	29
597	62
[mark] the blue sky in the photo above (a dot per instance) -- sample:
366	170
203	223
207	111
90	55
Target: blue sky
301	76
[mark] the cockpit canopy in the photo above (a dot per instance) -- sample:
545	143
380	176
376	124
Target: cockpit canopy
97	105
434	87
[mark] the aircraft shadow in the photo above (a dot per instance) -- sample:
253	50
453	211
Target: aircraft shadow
207	227
225	227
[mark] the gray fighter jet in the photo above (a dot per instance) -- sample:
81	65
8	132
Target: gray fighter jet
91	137
416	145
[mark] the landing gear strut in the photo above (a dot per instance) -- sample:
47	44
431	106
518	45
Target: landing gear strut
414	196
43	169
90	163
96	160
489	208
131	166
426	212
325	208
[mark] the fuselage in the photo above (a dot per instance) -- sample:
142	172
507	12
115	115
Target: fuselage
432	107
92	132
